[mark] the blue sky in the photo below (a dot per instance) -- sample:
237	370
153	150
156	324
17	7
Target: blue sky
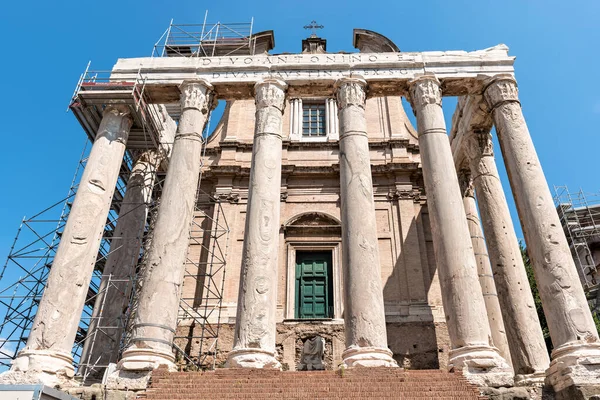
48	44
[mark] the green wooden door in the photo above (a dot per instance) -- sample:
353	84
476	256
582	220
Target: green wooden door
313	285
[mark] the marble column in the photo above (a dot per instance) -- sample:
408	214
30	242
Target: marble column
576	354
47	355
106	326
526	340
484	269
364	314
255	333
466	316
155	318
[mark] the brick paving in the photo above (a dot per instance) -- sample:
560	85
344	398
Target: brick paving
363	383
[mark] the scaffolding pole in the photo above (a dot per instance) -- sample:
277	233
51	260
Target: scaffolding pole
579	214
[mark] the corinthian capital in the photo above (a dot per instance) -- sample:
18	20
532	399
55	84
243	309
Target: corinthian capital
502	88
270	92
351	91
425	90
465	182
196	94
478	144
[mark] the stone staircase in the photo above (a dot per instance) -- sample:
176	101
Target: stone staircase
362	383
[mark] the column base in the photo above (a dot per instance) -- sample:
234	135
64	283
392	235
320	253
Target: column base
355	356
252	358
574	364
537	378
52	368
144	359
481	365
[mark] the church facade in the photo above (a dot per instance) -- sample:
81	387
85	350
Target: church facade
350	231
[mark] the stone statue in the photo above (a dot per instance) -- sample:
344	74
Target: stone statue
312	354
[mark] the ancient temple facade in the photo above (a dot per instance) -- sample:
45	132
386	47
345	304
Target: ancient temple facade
344	220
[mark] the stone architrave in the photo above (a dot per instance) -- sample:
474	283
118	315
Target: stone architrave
364	314
155	318
576	354
255	328
526	340
466	315
106	327
484	269
47	355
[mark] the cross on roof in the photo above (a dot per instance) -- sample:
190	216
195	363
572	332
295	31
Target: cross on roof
313	26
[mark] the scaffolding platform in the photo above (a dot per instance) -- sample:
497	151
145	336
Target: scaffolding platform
213	40
95	90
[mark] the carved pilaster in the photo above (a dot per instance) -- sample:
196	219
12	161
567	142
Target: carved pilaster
413	194
270	93
425	90
351	91
231	197
197	94
502	89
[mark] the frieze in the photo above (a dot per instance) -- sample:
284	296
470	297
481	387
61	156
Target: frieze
384	70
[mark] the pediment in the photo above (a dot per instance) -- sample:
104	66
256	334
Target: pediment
313	219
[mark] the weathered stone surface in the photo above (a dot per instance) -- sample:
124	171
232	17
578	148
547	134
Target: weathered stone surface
528	348
254	345
484	269
98	391
47	355
513	393
106	326
387	73
364	315
464	306
155	319
311	357
472	145
576	355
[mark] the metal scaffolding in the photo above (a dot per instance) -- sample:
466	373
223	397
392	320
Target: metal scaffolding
579	215
25	272
24	275
206	40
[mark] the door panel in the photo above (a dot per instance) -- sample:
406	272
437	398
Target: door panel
313	285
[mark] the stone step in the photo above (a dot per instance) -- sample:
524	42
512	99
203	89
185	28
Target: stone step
367	383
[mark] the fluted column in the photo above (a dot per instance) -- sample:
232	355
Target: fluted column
576	353
155	319
466	316
526	340
47	355
106	326
364	314
254	341
484	269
